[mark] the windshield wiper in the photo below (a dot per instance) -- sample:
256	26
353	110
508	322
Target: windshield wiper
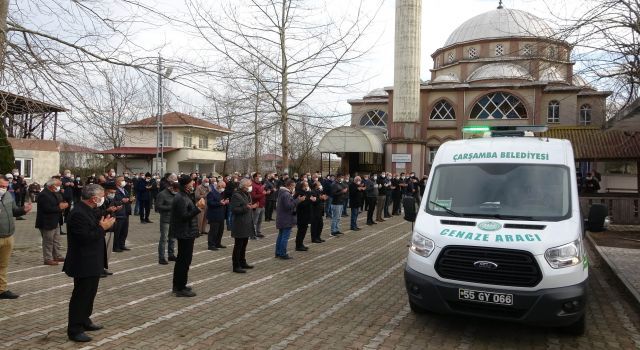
449	211
502	216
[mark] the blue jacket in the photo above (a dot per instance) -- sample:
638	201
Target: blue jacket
286	209
215	210
142	194
126	207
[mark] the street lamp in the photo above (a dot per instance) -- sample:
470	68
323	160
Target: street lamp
159	121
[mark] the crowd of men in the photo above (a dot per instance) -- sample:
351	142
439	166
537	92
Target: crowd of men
97	213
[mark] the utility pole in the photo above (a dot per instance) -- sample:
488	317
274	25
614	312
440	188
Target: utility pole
159	128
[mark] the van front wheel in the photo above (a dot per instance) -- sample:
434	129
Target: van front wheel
578	328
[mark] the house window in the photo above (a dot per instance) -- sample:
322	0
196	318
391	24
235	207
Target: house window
528	50
203	142
553	113
24	167
473	53
437	62
168	140
442	111
499	105
585	114
432	154
374	118
499	50
452	57
187	141
551	52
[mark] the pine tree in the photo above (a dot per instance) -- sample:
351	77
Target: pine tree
7	161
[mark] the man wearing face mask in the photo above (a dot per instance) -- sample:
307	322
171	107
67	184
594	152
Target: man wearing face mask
216	207
339	194
67	192
371	193
86	260
232	185
121	227
7	228
382	196
285	217
242	227
109	207
47	220
355	198
163	206
258	196
184	227
396	194
143	196
270	191
201	192
303	213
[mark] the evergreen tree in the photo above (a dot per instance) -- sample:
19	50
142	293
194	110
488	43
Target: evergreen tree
7	161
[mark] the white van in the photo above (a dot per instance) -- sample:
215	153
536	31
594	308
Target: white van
499	232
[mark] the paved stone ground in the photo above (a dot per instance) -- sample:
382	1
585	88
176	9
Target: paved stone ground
347	293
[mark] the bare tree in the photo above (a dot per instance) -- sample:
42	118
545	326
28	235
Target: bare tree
301	51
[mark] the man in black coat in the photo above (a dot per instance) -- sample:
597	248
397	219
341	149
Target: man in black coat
47	220
184	227
121	229
86	260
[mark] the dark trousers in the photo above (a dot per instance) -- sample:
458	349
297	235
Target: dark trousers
396	205
268	210
239	252
183	261
371	206
216	230
145	208
81	303
301	234
316	227
121	231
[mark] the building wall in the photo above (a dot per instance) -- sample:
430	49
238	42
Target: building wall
44	164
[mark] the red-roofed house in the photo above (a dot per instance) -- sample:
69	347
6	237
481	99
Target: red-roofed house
190	144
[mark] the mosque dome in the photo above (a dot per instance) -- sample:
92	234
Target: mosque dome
500	23
377	93
500	70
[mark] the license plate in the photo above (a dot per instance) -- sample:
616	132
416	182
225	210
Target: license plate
485	297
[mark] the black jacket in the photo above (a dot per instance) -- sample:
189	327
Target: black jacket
184	217
48	213
355	195
126	207
303	210
242	225
86	248
337	194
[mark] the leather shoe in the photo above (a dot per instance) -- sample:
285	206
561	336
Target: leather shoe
93	327
212	248
185	293
118	250
7	294
253	238
149	221
322	240
107	272
80	337
222	246
59	259
51	262
239	270
246	266
285	257
172	258
316	241
260	235
125	248
302	249
162	262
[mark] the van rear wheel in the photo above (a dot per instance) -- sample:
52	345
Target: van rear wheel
578	328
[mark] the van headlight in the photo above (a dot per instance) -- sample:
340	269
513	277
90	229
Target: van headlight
565	255
422	245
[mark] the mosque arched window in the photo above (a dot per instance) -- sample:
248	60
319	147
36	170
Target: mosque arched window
442	110
499	105
585	114
374	117
553	112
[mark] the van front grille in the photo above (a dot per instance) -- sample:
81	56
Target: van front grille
515	268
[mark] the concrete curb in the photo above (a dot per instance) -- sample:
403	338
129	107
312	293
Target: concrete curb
630	289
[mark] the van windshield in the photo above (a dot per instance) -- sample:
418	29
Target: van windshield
503	191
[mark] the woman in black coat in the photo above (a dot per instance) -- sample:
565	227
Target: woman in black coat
303	214
317	211
184	227
242	224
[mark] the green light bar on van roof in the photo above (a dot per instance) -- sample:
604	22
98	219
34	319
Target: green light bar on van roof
503	128
476	129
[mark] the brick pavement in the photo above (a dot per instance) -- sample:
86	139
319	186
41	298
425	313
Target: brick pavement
347	293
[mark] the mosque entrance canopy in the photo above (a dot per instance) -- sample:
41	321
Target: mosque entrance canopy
347	139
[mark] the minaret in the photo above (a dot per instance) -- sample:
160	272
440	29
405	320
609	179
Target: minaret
405	131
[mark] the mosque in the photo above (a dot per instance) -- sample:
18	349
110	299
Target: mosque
502	67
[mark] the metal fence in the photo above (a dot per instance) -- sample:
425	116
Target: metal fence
623	208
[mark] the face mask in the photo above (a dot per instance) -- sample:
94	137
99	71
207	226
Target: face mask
259	179
111	195
220	189
112	174
306	189
383	176
100	202
358	182
3	191
57	188
249	189
126	175
205	184
148	180
402	177
15	174
319	188
375	178
123	183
